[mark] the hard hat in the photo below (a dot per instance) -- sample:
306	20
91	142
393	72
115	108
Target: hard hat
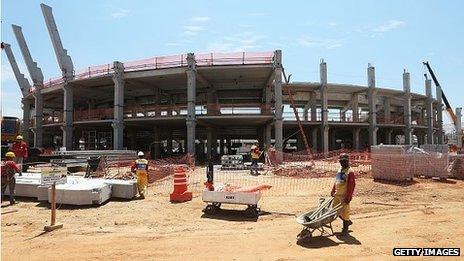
19	137
10	154
343	156
140	154
253	147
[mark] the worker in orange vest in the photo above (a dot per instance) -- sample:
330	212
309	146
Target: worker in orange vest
255	154
20	150
140	168
343	189
9	168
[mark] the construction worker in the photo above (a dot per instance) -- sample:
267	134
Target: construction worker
343	189
20	150
140	168
9	168
255	154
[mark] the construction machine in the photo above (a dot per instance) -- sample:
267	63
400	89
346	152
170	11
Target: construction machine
450	111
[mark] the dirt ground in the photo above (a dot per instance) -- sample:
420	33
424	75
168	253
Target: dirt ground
425	213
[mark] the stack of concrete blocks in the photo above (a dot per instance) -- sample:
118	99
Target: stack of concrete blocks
389	162
457	166
26	185
77	190
232	162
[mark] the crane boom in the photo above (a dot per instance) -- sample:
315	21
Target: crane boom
443	96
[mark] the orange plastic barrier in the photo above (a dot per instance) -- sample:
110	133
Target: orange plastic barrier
180	193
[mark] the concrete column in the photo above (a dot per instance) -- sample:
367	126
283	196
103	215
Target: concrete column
314	139
325	107
169	142
387	109
133	139
229	146
428	109
388	138
268	130
356	142
439	116
118	120
209	144
157	141
38	120
372	105
221	146
25	126
355	107
191	98
458	127
278	102
67	128
313	106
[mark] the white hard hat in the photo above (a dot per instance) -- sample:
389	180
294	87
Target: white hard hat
253	147
140	154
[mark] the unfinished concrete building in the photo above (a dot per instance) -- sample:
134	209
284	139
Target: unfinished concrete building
203	102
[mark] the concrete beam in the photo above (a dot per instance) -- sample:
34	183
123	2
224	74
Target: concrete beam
372	105
191	98
118	120
22	81
325	107
278	131
34	71
64	60
68	111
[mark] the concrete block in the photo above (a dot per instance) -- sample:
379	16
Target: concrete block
126	189
85	192
26	185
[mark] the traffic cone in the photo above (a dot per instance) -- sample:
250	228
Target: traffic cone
180	193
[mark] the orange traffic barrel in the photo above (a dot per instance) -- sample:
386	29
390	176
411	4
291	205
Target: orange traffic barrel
180	193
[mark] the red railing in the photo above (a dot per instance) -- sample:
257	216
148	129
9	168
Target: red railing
172	61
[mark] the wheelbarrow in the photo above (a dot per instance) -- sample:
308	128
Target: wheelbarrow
319	219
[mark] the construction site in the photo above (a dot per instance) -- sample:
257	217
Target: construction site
243	151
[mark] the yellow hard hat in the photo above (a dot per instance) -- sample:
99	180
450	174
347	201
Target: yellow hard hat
10	154
19	137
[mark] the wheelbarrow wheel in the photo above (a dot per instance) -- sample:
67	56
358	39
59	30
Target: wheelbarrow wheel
304	235
252	211
211	209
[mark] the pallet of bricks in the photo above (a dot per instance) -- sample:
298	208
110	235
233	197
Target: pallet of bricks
389	162
232	162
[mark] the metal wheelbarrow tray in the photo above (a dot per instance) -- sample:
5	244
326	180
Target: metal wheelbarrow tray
318	219
216	198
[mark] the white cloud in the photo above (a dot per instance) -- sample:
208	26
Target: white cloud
192	30
120	13
244	41
327	43
173	44
257	14
333	24
200	19
390	25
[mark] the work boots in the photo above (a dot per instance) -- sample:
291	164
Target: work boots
346	224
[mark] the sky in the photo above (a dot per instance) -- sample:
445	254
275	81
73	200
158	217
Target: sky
391	35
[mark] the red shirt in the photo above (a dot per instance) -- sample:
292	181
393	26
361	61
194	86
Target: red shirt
9	168
20	149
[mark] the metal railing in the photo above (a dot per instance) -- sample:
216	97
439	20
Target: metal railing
172	61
